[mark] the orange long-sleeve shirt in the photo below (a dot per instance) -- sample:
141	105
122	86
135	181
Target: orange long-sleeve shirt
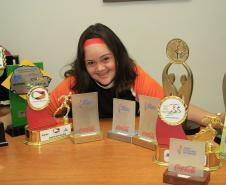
144	85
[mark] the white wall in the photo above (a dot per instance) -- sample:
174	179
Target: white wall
48	31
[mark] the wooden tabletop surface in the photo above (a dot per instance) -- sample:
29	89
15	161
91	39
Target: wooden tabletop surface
106	162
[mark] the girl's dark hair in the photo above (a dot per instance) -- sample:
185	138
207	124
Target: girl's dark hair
125	72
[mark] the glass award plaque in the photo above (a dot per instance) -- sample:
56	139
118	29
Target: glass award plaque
42	127
123	127
186	163
146	136
86	126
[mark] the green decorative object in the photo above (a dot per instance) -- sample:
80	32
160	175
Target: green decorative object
18	107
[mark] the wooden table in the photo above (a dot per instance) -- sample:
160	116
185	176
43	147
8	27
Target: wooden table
106	162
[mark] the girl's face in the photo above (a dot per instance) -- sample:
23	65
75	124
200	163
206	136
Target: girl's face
100	63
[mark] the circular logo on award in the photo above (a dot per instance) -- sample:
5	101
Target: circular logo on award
172	110
38	98
177	50
2	60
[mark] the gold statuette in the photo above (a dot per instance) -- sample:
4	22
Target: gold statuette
207	135
65	107
176	100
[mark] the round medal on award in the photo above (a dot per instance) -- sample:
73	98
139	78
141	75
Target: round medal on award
177	50
172	110
38	98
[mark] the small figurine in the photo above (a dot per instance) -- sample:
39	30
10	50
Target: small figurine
208	133
66	105
168	82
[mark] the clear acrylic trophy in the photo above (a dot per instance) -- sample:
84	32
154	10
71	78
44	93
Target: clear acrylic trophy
86	126
146	136
123	127
186	163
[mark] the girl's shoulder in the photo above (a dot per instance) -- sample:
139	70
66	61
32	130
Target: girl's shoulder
65	85
139	71
145	84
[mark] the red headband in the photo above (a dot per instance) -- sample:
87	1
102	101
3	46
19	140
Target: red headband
93	41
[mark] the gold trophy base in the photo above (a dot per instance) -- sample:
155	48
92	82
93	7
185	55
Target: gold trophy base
161	156
137	140
213	160
85	138
174	178
121	137
44	136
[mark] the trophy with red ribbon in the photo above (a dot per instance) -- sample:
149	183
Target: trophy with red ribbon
42	126
173	107
172	111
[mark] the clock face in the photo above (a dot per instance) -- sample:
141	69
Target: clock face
177	50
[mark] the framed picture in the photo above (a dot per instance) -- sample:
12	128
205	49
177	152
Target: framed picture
122	0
